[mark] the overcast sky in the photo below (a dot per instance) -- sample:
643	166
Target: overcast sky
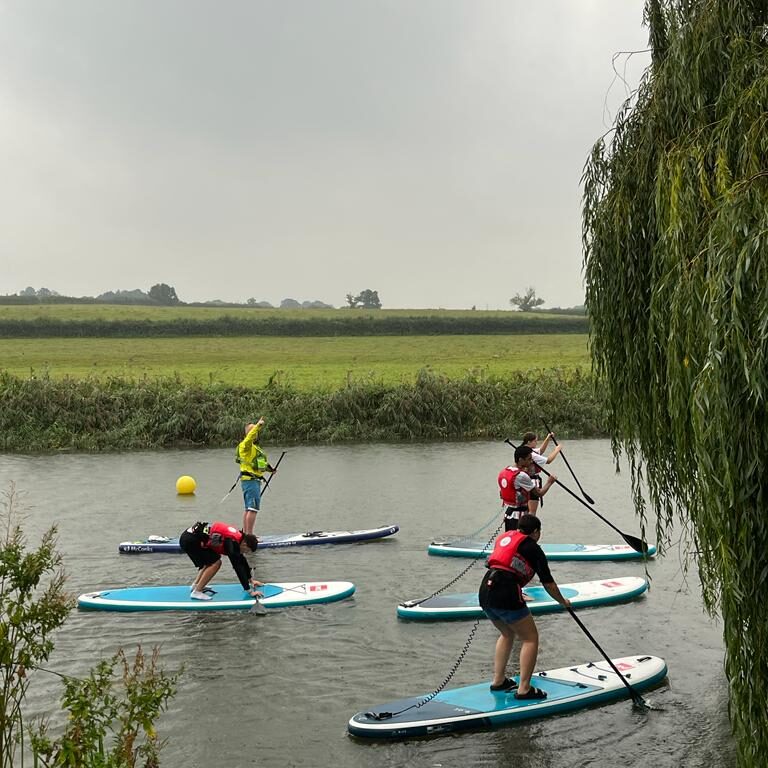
428	149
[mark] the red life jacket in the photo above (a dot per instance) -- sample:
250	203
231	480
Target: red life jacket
506	557
218	533
511	496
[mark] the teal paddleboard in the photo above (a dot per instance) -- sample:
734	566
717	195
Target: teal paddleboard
581	594
474	707
224	597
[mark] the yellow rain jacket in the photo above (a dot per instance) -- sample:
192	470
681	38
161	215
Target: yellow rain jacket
252	460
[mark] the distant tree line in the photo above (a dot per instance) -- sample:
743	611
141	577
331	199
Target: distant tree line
312	325
160	294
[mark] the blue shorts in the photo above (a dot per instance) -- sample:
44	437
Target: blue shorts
507	616
251	494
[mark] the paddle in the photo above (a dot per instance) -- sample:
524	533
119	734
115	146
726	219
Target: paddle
637	544
636	697
224	497
258	608
237	480
573	474
272	474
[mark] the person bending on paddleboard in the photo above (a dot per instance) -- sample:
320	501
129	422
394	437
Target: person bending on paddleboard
205	543
539	460
253	464
518	491
516	557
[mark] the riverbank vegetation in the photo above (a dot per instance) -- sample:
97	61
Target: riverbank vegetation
117	413
111	713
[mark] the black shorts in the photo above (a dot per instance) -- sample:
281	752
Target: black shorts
201	556
500	590
511	517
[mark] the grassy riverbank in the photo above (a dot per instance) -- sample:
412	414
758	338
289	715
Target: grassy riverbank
115	413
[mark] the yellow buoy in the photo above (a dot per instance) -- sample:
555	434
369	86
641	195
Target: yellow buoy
185	485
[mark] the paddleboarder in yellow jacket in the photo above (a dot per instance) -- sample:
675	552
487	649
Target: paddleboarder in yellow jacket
253	464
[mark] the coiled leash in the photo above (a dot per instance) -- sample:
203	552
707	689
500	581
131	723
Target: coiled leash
483	553
429	697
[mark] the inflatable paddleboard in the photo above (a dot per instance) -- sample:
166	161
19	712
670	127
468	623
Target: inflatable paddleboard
226	597
165	544
477	707
463	548
581	595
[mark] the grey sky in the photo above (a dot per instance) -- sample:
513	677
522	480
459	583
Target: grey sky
427	149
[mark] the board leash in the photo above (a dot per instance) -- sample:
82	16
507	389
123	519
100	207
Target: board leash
429	697
471	536
483	553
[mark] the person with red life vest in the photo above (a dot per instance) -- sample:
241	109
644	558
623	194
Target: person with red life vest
516	557
539	459
518	492
205	543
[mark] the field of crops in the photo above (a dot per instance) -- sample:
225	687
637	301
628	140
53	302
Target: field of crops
306	363
109	312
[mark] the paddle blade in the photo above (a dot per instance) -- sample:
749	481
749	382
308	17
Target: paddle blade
258	608
589	499
637	544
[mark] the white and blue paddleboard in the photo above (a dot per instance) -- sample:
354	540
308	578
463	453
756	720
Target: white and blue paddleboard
476	707
582	595
465	548
165	544
225	597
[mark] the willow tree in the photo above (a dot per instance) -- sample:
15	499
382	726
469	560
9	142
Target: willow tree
675	226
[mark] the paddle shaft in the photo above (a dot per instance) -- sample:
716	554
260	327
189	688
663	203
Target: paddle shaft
224	497
570	469
638	699
637	544
269	479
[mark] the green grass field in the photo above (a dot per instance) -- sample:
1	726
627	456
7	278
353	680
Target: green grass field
307	363
80	312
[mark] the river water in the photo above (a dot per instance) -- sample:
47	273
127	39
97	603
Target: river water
278	690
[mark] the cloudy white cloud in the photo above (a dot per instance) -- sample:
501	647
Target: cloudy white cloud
430	150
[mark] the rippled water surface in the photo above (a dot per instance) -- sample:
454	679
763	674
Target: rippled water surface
278	690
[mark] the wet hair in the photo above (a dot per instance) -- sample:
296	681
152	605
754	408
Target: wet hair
250	541
528	524
528	436
523	452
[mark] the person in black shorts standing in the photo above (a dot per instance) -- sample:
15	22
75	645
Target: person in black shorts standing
516	557
205	543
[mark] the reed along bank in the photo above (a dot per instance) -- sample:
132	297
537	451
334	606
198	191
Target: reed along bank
115	413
